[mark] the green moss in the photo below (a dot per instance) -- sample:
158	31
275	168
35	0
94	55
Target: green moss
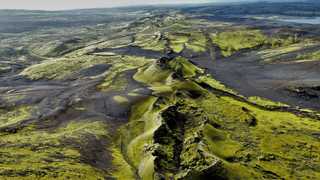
184	67
169	89
34	154
14	116
193	40
136	135
120	65
56	48
157	76
146	169
274	54
217	138
4	68
11	98
178	41
233	41
240	171
177	47
179	26
137	144
265	143
197	42
196	47
265	102
234	136
122	170
215	84
121	99
276	42
119	83
150	42
195	160
161	81
62	67
133	94
152	74
162	89
309	56
142	107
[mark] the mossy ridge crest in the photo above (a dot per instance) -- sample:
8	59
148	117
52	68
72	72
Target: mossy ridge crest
135	136
148	144
180	152
208	138
154	148
161	71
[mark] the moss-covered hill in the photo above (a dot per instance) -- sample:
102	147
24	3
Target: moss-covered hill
144	103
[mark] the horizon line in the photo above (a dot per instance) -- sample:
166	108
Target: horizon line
132	6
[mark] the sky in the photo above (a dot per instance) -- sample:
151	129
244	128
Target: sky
83	4
86	4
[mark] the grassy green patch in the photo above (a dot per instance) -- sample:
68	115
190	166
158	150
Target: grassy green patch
218	138
155	75
152	74
122	170
11	98
14	116
215	84
120	65
309	56
62	67
57	48
276	53
197	42
184	67
138	134
269	143
119	83
265	102
276	42
34	154
150	41
121	99
178	41
233	41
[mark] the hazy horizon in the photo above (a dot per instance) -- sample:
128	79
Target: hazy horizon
87	4
84	4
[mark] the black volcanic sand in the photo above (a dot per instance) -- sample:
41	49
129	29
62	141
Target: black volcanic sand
61	99
250	77
132	51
